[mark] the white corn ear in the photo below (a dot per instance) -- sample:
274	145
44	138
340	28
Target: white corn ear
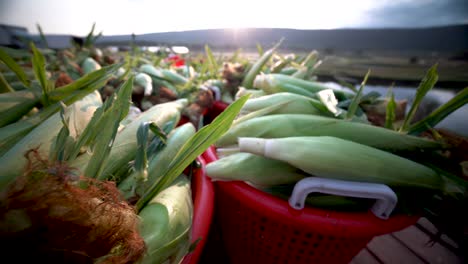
42	137
297	104
297	125
125	144
159	163
253	168
166	222
331	157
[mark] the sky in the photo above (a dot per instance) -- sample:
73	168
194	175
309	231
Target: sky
118	17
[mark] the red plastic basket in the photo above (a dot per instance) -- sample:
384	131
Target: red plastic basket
257	227
203	201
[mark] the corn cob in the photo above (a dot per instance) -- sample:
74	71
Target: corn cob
68	94
145	81
167	75
253	168
125	143
331	157
274	83
298	104
90	65
249	78
14	105
42	137
296	125
158	164
166	223
254	93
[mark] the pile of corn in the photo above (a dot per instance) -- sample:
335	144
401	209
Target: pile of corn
80	130
292	128
121	118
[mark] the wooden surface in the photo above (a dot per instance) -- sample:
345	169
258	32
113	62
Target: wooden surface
410	245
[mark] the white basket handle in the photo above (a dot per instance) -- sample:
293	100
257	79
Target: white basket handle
382	208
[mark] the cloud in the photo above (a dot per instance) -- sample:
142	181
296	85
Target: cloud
421	13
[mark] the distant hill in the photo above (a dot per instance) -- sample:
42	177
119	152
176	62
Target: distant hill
447	39
452	39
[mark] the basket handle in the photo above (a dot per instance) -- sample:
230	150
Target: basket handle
382	208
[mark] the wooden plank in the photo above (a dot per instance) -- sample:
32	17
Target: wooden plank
364	257
389	250
427	225
417	241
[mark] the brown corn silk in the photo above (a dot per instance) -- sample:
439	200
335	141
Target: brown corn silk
50	213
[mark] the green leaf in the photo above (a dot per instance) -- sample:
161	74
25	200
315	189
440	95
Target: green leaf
89	38
212	65
390	111
141	158
11	133
10	63
347	85
42	35
39	68
425	86
86	137
159	141
260	49
235	55
194	147
357	98
258	65
160	133
58	153
91	78
107	128
440	113
4	85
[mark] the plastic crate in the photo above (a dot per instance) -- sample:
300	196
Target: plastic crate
203	201
257	227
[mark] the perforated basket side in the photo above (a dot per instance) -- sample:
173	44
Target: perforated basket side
252	235
203	202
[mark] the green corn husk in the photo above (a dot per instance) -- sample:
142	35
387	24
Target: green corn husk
15	105
145	81
132	186
296	104
253	168
166	223
167	75
42	137
250	76
125	143
90	65
253	93
296	125
335	158
68	94
288	71
275	83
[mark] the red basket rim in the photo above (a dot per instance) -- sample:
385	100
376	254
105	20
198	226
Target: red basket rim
203	206
331	222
